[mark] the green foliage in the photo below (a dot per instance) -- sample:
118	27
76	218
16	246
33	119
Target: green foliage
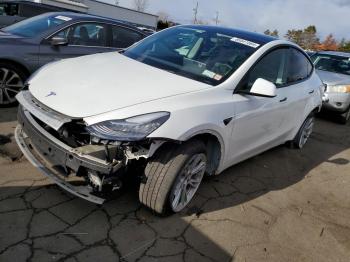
344	45
162	25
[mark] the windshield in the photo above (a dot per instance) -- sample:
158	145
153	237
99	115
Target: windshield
36	25
332	63
199	54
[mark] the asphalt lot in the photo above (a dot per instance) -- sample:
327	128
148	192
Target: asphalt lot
283	205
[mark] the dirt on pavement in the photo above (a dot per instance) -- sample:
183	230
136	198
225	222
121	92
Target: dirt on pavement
283	205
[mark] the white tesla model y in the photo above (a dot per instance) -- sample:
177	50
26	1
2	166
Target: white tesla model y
183	103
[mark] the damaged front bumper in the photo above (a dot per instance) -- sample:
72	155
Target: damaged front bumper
56	160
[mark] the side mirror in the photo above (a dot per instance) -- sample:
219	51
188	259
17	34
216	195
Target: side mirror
59	41
264	88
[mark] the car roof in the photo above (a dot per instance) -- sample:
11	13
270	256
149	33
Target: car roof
344	54
246	35
82	16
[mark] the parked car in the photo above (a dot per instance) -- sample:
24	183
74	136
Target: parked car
309	53
176	116
149	31
32	43
14	11
334	70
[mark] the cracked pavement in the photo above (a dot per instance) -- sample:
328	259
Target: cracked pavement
283	205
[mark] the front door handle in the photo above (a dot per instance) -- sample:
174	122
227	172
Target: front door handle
311	92
283	100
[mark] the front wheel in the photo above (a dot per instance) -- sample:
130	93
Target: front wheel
173	175
12	81
304	133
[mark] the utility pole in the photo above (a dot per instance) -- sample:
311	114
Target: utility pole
195	11
217	18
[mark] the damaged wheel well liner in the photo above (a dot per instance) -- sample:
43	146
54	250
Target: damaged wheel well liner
213	146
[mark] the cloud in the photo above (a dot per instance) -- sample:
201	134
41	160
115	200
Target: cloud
329	16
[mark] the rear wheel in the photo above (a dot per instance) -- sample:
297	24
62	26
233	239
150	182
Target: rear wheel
173	177
304	133
345	117
12	81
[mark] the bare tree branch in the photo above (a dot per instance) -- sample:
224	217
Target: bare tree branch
163	16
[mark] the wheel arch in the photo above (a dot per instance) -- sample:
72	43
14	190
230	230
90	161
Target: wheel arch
215	149
17	64
212	140
308	113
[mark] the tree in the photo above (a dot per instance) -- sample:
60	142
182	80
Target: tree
267	32
162	25
163	16
310	39
140	5
274	33
295	36
306	38
344	45
329	44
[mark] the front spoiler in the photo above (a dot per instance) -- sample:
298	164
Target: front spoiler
79	191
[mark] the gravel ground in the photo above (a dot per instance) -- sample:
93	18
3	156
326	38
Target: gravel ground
283	205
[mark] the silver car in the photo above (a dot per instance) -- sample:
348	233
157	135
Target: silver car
34	42
334	70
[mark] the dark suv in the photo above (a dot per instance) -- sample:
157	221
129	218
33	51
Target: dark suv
34	42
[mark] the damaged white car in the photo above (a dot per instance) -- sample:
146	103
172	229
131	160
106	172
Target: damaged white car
183	103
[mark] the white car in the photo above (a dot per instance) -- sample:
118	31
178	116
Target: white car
174	115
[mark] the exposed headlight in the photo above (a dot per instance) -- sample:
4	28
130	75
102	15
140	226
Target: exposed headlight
339	89
130	129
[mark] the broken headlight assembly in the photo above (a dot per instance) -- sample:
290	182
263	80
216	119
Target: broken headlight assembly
131	129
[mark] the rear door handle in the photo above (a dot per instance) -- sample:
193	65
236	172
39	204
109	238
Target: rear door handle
311	92
283	100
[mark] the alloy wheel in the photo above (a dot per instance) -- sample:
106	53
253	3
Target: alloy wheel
306	132
347	116
10	85
187	183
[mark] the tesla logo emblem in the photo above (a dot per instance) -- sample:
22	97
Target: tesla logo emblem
51	94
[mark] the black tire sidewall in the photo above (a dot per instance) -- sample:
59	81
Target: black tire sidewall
163	170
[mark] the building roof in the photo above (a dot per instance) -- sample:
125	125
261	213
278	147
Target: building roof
125	8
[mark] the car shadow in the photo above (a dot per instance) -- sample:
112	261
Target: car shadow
132	231
276	169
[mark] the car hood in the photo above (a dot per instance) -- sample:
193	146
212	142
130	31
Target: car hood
331	78
9	38
96	84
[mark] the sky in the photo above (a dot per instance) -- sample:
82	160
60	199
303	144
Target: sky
329	16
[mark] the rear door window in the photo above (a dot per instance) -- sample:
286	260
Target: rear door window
123	37
87	34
